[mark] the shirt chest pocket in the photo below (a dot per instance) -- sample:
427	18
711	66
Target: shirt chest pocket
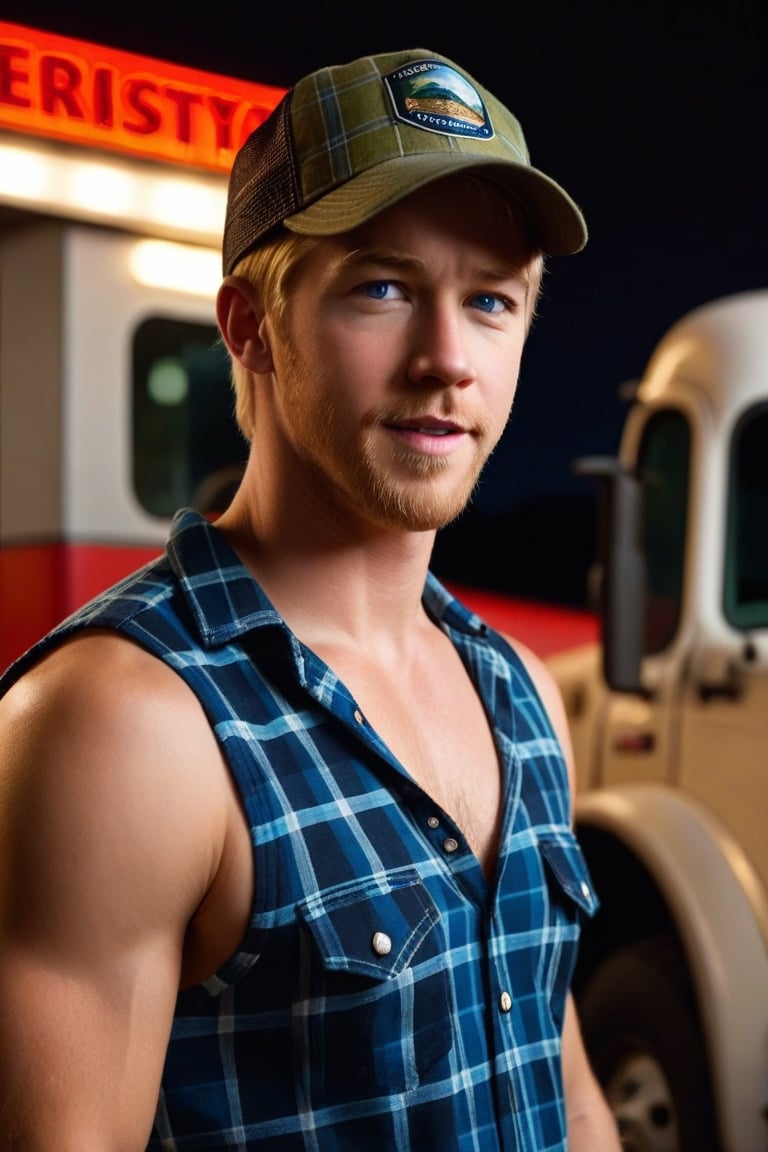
569	880
571	898
373	1014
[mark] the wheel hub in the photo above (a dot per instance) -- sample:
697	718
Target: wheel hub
641	1101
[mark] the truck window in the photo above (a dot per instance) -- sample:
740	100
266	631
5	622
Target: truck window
663	463
746	562
186	448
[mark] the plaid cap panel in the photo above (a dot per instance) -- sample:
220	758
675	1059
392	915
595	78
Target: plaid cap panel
343	128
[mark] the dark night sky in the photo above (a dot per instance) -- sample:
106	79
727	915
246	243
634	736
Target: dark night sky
652	116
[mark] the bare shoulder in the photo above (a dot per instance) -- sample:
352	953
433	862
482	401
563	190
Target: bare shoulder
551	697
104	748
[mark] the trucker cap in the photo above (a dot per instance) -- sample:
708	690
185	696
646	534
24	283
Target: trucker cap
348	141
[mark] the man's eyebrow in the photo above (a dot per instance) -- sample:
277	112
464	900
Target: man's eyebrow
521	275
395	259
386	256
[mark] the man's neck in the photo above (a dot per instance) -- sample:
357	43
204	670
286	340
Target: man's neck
347	592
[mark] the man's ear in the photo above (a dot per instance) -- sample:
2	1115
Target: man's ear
243	325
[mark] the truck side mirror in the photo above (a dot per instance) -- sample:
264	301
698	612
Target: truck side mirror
623	573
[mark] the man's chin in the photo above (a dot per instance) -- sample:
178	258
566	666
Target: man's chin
414	503
420	518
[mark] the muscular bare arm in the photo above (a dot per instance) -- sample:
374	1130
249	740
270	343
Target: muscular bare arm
111	827
591	1127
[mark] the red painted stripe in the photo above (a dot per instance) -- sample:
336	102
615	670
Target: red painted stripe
544	628
40	584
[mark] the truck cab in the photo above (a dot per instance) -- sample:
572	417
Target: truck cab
669	718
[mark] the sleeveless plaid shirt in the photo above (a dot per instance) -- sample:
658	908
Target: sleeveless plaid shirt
385	997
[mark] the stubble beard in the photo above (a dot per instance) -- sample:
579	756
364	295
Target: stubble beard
419	502
406	492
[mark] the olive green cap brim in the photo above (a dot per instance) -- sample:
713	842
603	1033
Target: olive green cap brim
557	224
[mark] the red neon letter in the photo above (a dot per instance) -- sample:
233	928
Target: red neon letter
8	74
103	102
59	82
183	101
135	91
223	114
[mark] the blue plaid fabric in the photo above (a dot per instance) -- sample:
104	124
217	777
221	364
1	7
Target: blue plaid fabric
385	996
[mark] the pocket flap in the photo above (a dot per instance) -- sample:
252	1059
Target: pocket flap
373	929
562	853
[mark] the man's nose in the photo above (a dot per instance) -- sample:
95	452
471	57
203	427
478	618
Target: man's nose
439	352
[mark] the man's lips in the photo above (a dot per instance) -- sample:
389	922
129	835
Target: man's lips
427	426
428	435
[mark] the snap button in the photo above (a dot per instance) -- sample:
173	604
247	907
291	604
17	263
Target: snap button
382	945
450	845
359	716
433	822
585	888
505	1002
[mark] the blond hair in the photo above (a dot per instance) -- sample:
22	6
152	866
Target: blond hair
269	269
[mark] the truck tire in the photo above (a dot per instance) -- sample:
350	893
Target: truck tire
644	1040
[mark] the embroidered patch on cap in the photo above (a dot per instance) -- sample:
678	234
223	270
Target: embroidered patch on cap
431	95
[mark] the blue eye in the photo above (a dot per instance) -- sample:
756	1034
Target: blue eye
487	302
377	289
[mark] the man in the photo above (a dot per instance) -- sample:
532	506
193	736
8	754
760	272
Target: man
286	831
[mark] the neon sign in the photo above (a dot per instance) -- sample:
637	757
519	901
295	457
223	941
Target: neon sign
84	93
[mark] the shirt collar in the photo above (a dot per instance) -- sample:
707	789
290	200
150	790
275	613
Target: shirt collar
226	602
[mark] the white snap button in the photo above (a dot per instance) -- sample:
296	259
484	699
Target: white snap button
585	888
505	1002
433	822
450	844
382	945
358	716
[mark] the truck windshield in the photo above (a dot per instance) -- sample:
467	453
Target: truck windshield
663	467
746	564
